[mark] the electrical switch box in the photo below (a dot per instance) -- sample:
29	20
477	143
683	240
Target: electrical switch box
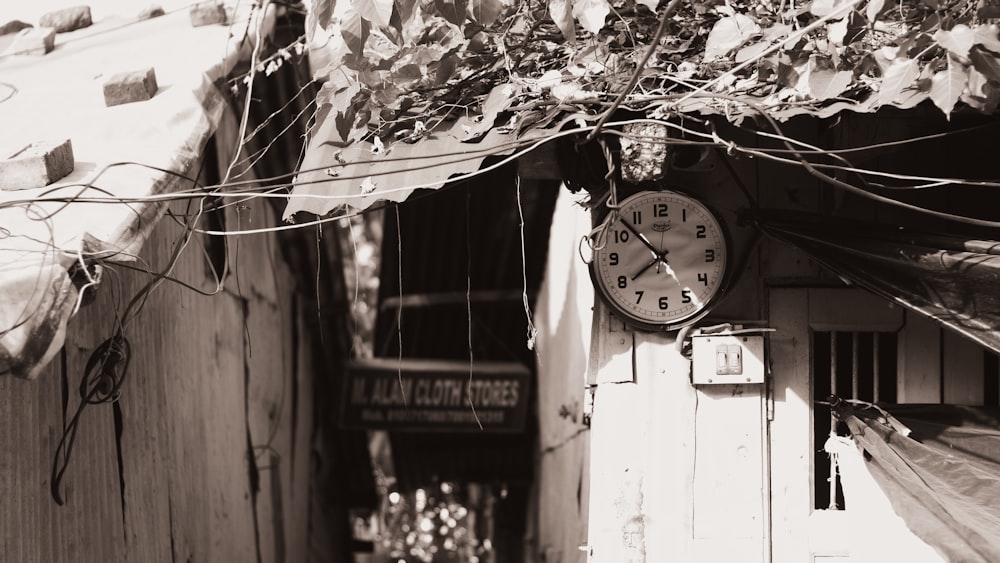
732	359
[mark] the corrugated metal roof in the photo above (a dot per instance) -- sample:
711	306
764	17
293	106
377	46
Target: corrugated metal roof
59	96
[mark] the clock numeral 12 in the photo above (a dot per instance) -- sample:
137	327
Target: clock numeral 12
660	210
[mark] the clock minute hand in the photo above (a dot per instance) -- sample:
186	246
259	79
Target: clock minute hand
641	237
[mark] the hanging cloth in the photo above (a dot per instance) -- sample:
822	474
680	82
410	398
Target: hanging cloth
939	465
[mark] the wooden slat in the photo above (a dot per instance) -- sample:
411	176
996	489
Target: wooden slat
919	361
616	530
852	310
299	460
32	526
784	187
791	430
269	417
611	353
670	401
184	446
963	370
729	482
562	315
276	393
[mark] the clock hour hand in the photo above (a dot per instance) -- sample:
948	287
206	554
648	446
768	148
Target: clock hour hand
660	257
646	267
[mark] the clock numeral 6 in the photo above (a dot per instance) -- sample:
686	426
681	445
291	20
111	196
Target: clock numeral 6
663	302
613	258
622	282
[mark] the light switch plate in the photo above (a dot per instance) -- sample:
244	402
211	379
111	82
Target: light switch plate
727	359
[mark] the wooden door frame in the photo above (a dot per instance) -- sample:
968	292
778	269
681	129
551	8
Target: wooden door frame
795	313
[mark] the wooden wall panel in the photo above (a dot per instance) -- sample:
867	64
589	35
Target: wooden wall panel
299	460
919	361
962	370
32	526
729	488
791	431
213	385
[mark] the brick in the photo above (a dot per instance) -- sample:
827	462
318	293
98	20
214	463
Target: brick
207	13
128	87
150	12
13	26
67	19
35	165
33	41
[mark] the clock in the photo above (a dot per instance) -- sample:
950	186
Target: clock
663	261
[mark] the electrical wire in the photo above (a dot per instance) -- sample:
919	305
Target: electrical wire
861	192
268	189
250	193
106	369
265	188
532	330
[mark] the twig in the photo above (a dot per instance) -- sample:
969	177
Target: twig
638	71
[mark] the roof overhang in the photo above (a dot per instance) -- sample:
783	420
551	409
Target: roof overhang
129	159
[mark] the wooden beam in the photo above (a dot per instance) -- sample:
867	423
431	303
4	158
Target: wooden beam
453	298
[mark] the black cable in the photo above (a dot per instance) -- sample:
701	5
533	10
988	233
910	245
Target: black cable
103	376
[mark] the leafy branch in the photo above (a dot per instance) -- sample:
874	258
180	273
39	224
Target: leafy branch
400	63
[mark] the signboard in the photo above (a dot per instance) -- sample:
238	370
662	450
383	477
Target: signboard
435	395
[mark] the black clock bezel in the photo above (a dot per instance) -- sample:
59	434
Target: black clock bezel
709	305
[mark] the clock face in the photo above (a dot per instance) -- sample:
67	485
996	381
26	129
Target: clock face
664	260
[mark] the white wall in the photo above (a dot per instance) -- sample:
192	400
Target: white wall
563	317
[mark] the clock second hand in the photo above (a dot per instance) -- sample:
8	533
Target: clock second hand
662	257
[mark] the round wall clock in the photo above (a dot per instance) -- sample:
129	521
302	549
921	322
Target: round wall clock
664	260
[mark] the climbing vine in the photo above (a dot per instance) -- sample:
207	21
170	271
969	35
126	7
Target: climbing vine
400	66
